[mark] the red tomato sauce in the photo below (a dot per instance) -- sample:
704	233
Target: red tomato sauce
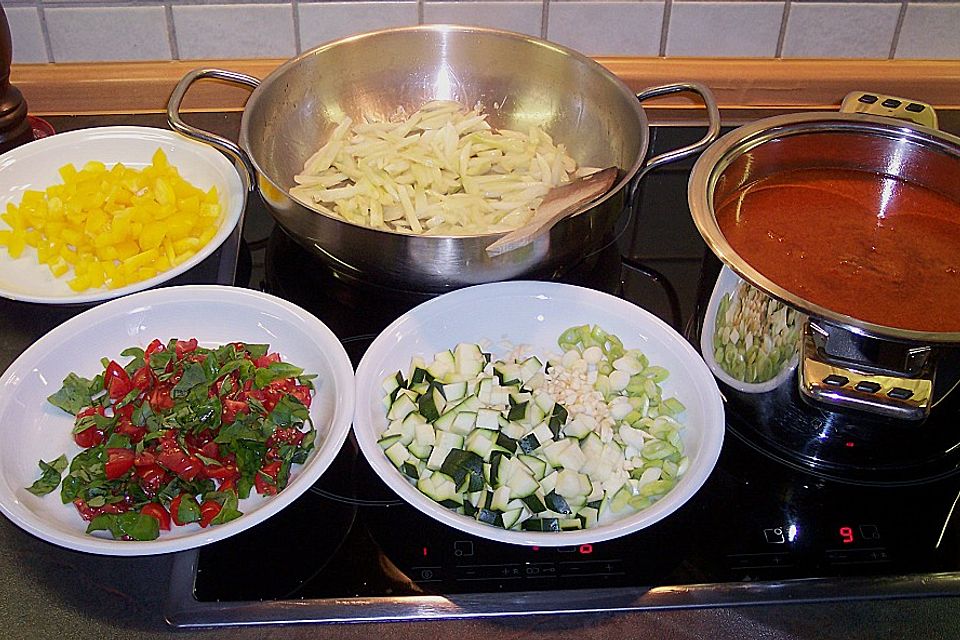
873	247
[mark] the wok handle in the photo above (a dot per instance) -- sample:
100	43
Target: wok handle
713	122
229	147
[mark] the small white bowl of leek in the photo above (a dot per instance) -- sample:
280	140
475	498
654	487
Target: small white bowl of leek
516	481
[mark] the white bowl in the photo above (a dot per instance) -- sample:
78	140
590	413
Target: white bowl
32	429
534	314
727	282
35	166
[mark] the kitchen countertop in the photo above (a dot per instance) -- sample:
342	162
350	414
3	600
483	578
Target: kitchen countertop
52	592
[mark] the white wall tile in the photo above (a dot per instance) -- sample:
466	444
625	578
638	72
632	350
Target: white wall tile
523	17
95	33
607	28
840	30
724	29
930	30
234	31
26	34
325	21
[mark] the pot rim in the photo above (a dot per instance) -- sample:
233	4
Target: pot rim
719	156
627	175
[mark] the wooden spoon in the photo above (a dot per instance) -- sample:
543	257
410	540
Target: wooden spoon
556	205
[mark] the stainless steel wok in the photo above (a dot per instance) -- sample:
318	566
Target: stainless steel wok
519	80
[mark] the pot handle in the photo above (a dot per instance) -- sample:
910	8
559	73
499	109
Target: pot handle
230	148
713	122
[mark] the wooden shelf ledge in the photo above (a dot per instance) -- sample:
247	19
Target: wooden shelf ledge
744	88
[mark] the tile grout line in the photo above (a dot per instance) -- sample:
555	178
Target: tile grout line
171	31
782	36
665	28
544	18
419	11
45	32
297	40
896	31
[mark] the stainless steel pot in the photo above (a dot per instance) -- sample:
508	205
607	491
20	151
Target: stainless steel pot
843	360
519	80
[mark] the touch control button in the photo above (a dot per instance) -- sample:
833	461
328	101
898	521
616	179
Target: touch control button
890	103
867	386
915	108
836	381
899	393
868	99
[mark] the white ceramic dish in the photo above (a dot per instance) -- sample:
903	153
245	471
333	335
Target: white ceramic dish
727	282
32	429
35	166
534	314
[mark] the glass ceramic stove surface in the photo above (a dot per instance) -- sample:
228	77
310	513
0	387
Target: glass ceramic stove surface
758	531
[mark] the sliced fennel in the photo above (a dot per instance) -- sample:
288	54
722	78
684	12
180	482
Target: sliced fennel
441	171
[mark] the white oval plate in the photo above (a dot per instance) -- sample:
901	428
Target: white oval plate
534	314
32	429
727	282
35	166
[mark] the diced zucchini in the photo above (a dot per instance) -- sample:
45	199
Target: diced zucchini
537	466
454	391
529	368
500	498
464	423
521	482
481	442
397	453
511	518
572	457
389	440
401	407
488	419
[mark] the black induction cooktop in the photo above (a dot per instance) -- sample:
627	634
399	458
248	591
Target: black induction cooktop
760	530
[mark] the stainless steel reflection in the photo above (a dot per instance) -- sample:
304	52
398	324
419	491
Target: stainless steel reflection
519	80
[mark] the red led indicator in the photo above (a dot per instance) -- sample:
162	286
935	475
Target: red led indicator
846	534
849	444
535	548
585	549
424	552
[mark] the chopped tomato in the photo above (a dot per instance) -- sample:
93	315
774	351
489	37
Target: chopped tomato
231	408
174	459
265	481
183	347
125	427
116	381
265	361
208	511
91	436
156	510
119	461
160	399
89	513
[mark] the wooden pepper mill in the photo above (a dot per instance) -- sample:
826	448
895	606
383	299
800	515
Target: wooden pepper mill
15	129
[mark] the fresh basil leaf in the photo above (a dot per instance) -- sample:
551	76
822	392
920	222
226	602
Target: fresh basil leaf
118	441
138	359
276	371
228	507
130	524
256	350
97	501
138	526
192	376
160	359
188	510
50	476
76	394
288	412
